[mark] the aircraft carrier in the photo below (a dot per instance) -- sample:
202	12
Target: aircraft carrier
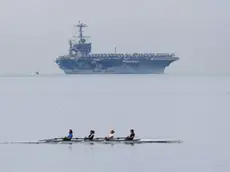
80	60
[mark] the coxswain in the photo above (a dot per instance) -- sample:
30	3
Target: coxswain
111	135
91	135
69	137
131	136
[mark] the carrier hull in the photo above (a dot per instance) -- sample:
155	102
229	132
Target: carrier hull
145	67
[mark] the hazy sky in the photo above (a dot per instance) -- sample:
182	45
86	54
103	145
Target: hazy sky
34	32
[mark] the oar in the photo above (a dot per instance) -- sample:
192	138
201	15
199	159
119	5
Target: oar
103	138
59	138
50	139
120	138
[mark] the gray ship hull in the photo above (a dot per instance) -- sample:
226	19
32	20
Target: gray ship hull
145	67
117	71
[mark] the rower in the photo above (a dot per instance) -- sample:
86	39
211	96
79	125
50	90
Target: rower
69	137
131	136
111	135
91	135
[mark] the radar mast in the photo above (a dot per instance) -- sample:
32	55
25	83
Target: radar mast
81	26
82	48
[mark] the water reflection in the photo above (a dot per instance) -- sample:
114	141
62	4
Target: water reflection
70	148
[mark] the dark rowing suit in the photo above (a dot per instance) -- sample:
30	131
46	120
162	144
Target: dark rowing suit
131	137
90	137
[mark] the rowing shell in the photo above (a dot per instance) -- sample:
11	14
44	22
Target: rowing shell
114	141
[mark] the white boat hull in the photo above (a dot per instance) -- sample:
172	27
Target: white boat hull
136	141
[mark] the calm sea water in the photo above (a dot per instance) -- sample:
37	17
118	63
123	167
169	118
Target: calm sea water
194	109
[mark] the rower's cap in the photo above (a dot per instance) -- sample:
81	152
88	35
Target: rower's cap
92	131
132	130
70	131
112	131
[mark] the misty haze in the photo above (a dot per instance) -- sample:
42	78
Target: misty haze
34	33
174	122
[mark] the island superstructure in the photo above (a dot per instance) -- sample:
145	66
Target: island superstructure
80	60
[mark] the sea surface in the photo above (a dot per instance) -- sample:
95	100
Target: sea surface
195	109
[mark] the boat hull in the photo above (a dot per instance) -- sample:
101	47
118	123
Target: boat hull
80	60
139	67
136	141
